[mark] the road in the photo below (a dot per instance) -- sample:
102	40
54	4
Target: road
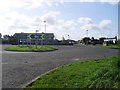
18	68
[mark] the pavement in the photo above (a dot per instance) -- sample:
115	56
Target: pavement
19	68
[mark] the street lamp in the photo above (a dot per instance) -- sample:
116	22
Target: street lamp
37	31
87	36
68	38
87	33
45	26
45	32
36	38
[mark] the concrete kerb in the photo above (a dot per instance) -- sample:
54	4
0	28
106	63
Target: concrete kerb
32	81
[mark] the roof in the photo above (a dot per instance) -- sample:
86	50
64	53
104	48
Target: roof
110	39
33	33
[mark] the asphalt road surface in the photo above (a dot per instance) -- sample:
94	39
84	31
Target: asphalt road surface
18	68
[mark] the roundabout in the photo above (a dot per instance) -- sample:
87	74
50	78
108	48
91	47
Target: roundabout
40	48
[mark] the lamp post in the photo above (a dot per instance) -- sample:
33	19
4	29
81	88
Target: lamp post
36	38
68	38
87	33
87	36
45	26
45	32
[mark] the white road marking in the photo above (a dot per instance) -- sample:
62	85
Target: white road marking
76	59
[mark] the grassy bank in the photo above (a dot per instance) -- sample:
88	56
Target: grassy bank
101	73
113	46
30	48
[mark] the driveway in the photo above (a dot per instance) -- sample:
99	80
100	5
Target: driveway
18	68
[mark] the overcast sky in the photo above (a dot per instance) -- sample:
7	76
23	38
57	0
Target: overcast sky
63	17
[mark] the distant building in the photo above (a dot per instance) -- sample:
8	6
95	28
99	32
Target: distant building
108	41
30	37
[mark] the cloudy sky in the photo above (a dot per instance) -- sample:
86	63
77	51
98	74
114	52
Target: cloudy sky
63	17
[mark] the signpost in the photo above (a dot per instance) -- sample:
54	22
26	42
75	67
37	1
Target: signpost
42	37
29	36
36	37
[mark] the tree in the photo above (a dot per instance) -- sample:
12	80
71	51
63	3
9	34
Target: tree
118	41
7	39
101	40
63	39
86	40
13	40
92	39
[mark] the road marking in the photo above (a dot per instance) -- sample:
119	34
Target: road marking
76	59
3	63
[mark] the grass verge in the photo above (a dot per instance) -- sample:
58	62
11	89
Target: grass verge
100	73
113	46
30	48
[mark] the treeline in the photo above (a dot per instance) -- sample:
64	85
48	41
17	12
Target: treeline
7	39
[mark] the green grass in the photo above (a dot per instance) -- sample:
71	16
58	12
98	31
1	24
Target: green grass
113	46
100	73
30	48
117	46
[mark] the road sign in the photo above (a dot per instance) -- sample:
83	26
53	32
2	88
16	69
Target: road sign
29	36
34	36
42	37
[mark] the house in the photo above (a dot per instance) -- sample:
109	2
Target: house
108	41
45	38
